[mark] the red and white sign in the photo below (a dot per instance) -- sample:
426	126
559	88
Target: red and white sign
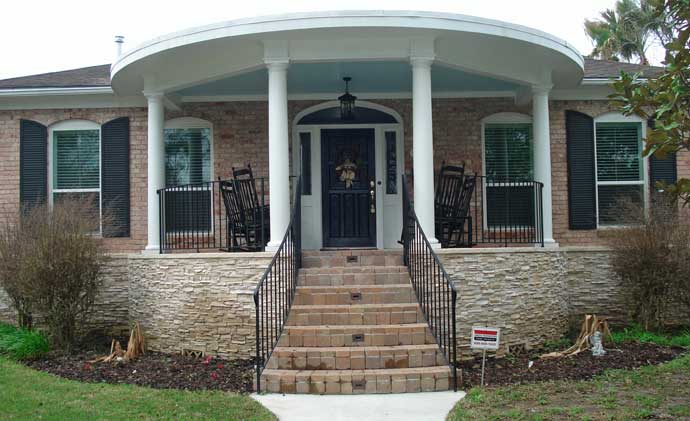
485	337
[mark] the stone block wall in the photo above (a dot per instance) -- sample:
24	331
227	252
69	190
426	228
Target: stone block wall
200	302
534	294
197	302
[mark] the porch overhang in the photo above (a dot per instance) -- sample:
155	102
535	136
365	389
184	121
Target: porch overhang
483	47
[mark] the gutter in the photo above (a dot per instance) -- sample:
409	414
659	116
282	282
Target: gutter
29	92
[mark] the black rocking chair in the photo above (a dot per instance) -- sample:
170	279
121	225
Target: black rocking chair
452	207
248	219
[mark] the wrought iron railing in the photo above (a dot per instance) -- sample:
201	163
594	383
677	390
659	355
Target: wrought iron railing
507	212
433	287
275	292
194	217
500	212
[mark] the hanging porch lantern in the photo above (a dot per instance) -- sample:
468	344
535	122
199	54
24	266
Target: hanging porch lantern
347	102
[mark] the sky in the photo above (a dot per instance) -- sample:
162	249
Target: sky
39	36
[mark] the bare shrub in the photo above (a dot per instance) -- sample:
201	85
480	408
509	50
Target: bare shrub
652	257
12	252
58	264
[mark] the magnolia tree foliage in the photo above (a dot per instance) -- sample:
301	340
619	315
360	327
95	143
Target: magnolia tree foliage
665	99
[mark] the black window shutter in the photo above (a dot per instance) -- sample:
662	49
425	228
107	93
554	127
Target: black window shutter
582	209
33	163
663	170
115	177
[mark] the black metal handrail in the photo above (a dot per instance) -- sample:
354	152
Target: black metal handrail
435	291
275	292
194	217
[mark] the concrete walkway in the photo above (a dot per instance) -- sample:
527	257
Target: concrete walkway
433	406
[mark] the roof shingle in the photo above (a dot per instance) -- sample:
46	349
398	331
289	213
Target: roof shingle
75	78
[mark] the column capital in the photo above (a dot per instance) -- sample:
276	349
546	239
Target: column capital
543	89
421	61
154	96
277	64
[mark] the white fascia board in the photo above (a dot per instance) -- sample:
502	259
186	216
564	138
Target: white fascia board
89	90
56	102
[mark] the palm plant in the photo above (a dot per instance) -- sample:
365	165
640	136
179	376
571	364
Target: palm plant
624	32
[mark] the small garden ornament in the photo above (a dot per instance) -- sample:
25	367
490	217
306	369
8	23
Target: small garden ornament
597	347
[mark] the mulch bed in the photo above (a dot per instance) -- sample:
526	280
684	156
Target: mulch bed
583	366
164	371
160	371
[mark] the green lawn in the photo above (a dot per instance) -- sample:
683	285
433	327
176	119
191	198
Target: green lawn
661	391
29	394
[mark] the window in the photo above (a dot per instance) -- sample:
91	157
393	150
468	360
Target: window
188	166
305	149
391	164
76	162
508	167
620	168
187	156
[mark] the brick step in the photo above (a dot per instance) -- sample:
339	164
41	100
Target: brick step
355	294
356	314
346	382
356	358
356	335
350	258
357	275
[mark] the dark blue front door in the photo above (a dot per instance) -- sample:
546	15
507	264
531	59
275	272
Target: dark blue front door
348	171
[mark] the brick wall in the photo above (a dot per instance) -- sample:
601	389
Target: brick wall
240	131
9	162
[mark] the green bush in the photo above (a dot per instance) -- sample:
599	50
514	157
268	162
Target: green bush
636	333
21	344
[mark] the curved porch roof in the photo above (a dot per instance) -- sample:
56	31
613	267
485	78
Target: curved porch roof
474	50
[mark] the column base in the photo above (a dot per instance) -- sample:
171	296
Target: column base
272	247
550	242
152	249
435	244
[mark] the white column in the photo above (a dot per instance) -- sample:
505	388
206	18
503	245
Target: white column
542	154
278	153
422	146
156	166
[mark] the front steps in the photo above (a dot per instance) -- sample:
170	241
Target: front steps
355	327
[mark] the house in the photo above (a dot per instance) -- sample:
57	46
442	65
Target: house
149	136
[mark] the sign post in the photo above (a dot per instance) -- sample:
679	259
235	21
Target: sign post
485	338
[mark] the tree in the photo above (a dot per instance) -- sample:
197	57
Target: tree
665	99
625	32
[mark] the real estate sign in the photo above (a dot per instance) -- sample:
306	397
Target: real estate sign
485	337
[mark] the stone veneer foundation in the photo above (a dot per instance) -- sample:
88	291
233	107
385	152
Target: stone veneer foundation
204	301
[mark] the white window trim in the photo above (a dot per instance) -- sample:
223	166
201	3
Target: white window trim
196	123
74	125
614	117
498	118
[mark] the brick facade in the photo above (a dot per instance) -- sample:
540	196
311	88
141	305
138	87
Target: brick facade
240	131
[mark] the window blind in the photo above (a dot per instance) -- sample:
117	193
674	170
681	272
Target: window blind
620	177
76	156
618	152
187	156
508	152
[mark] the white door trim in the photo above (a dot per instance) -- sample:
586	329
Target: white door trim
388	204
